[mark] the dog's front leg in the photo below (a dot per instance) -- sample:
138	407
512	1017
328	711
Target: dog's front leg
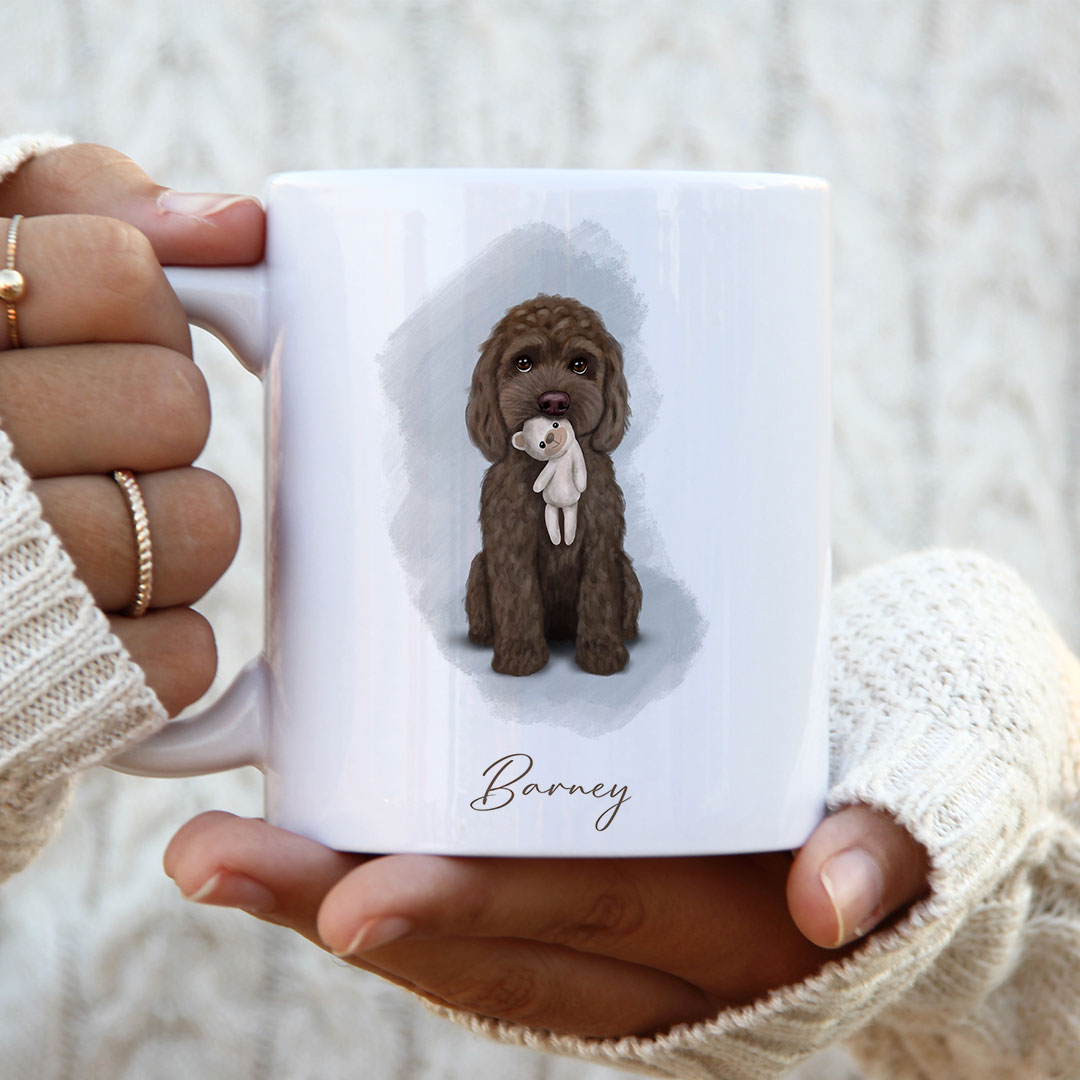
600	650
516	610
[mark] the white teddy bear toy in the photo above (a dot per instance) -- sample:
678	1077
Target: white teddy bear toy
562	480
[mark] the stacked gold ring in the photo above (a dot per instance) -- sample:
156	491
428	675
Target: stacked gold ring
12	283
145	579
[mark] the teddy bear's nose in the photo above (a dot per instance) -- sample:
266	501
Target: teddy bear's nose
553	402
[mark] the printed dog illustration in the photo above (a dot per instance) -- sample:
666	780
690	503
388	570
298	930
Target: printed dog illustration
550	357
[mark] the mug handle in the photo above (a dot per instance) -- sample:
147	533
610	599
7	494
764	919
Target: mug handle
230	302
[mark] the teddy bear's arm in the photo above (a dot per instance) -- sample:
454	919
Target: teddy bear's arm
545	476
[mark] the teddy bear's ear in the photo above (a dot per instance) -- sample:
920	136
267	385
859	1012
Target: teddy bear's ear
483	417
518	439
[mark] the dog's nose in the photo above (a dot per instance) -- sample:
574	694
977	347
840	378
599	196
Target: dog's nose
553	402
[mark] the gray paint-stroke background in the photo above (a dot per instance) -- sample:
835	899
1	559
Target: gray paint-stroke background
426	369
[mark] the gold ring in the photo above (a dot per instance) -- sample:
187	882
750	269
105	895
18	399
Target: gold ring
12	283
145	581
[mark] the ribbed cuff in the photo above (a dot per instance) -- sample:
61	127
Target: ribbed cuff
950	709
70	695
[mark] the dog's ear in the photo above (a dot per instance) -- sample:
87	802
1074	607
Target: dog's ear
483	417
616	416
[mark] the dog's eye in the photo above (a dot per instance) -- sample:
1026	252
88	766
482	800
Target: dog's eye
579	365
523	363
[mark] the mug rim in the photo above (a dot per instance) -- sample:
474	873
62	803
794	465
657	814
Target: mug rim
582	177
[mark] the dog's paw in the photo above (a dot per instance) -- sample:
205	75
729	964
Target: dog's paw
601	657
520	657
481	635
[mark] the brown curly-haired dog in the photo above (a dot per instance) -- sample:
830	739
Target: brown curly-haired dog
550	356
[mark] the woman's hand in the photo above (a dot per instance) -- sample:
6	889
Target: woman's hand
595	947
104	380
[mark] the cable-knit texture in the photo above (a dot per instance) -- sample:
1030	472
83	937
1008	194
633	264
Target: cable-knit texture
949	134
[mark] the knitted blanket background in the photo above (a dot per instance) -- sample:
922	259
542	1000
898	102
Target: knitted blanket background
951	136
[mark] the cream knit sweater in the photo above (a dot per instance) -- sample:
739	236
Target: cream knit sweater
955	707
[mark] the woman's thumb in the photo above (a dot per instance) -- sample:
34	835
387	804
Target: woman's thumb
858	867
184	228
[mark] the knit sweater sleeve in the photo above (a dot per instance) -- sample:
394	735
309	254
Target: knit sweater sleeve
70	695
956	708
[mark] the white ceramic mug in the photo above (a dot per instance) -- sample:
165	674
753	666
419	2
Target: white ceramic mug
621	647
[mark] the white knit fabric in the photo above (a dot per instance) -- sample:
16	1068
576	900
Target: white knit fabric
69	693
949	134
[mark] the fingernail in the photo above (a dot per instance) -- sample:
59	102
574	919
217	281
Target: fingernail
376	932
198	205
855	885
227	889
